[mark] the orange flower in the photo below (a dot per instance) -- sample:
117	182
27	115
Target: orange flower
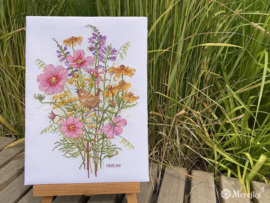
125	70
72	41
111	91
124	85
130	98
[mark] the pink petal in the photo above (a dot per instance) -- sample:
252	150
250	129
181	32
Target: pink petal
49	91
62	81
57	88
42	78
68	133
49	70
76	120
79	125
122	123
78	54
63	123
69	120
63	129
116	119
105	128
44	87
78	131
117	130
110	133
70	59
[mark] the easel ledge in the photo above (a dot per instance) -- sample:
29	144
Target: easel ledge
88	189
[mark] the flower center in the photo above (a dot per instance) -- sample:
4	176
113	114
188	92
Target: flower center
122	67
53	80
94	75
72	127
79	61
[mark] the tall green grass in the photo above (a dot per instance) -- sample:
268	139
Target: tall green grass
208	77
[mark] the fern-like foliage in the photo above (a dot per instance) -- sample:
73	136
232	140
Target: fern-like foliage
126	143
40	64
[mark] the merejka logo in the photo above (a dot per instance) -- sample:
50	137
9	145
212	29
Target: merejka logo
227	194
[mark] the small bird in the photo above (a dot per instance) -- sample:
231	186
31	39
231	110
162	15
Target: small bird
88	100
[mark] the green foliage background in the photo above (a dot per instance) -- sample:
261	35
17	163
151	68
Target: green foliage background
208	77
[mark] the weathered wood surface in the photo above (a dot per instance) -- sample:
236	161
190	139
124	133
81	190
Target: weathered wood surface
7	154
85	189
231	187
103	199
147	188
14	191
70	199
11	171
4	141
173	186
203	190
262	191
28	198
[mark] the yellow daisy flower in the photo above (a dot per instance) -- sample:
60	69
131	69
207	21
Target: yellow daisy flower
111	91
125	70
72	41
124	86
130	98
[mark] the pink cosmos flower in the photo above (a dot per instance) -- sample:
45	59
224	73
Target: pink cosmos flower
71	127
115	127
78	60
53	80
96	74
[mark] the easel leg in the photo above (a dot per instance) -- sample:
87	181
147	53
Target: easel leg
47	199
131	198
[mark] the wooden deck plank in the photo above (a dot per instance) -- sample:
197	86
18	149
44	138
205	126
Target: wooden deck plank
11	171
14	191
147	188
173	186
262	191
231	186
202	190
28	198
4	141
103	199
70	199
8	154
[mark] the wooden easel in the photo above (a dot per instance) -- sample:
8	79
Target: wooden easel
88	189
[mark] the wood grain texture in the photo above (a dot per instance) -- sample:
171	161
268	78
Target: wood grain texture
11	171
7	154
131	198
86	189
262	190
4	141
70	199
202	191
14	191
47	199
28	198
147	188
231	184
103	199
173	186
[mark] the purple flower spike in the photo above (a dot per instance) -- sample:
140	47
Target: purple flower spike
112	58
62	59
65	48
70	74
57	51
59	55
